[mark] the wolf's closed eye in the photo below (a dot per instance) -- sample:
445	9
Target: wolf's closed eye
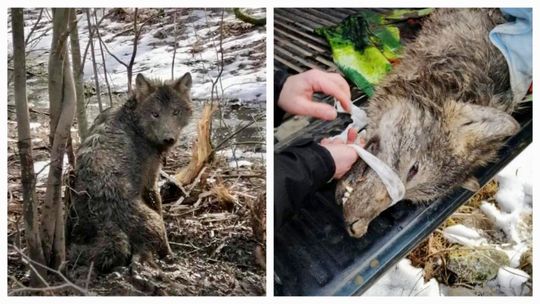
413	171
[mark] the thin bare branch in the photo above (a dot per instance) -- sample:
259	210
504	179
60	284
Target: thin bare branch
90	33
221	63
240	129
34	27
68	283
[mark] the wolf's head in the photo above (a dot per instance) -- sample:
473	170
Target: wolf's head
432	151
162	108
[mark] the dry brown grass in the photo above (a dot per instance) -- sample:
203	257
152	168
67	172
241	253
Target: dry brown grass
431	254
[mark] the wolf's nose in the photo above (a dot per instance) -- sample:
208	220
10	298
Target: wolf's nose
168	141
355	228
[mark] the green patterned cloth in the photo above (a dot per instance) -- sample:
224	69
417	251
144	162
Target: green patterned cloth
365	45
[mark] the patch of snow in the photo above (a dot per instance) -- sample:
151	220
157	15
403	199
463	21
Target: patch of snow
197	52
507	222
228	153
514	203
34	125
514	253
511	281
239	158
41	169
240	163
463	235
404	280
510	196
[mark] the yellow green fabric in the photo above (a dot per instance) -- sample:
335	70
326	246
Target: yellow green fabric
365	45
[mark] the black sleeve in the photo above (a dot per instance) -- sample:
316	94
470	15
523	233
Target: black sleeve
299	170
280	76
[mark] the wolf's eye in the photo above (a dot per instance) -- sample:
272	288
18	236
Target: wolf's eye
412	171
176	112
155	114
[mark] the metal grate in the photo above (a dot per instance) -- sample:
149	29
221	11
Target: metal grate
297	47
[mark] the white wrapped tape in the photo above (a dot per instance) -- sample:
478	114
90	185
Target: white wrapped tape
390	179
359	118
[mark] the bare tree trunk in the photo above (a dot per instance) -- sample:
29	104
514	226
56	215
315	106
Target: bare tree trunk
78	74
92	51
175	43
103	59
134	53
28	177
55	80
52	215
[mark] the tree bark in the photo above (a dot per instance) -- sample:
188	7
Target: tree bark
78	74
94	64
52	215
134	53
28	177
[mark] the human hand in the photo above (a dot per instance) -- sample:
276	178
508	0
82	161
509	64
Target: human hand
296	96
344	156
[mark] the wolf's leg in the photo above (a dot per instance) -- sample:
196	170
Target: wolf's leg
152	199
149	232
111	248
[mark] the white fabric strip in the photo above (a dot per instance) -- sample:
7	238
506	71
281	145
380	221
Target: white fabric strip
359	118
390	179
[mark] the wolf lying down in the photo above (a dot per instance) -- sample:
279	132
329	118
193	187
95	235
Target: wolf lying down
116	211
439	115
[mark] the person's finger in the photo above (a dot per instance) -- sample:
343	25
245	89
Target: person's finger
326	141
317	109
362	142
344	86
351	135
330	86
338	141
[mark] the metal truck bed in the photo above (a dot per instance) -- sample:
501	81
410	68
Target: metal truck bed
313	254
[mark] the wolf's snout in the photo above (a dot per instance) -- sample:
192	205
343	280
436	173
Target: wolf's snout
355	228
169	141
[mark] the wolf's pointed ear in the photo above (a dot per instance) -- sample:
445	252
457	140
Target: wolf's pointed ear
478	130
143	87
183	84
471	184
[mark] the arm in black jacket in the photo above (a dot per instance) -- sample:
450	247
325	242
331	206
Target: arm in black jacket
299	170
280	76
